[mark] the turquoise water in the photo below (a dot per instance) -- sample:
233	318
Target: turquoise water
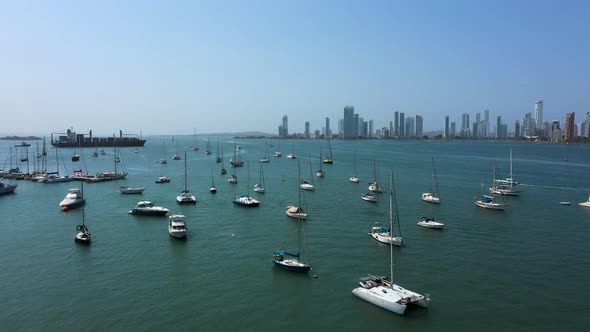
523	269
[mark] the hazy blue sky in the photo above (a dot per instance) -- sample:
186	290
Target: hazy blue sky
219	66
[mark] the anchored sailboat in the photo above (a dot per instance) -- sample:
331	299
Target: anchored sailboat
433	196
185	196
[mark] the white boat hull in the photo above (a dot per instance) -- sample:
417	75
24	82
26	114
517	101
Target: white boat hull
377	297
431	224
491	206
177	234
307	187
430	198
388	239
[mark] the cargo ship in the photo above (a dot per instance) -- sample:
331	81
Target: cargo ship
70	139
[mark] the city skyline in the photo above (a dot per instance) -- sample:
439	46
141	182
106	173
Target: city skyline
236	67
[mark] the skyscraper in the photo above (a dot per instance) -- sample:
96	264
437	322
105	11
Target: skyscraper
395	124
446	132
539	114
328	131
371	128
348	122
307	133
555	131
499	127
419	124
284	127
401	125
486	125
587	124
517	129
569	126
355	125
465	131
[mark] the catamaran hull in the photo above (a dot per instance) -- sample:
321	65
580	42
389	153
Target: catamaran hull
373	297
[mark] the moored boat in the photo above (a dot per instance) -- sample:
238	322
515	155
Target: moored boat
147	208
131	190
74	198
430	223
177	226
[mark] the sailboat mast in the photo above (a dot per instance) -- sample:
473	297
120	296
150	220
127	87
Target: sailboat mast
391	225
56	161
82	191
185	171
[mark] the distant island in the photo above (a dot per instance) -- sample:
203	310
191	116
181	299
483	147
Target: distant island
20	138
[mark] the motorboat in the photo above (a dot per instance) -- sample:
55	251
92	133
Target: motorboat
74	198
430	223
585	204
264	160
7	188
247	201
384	235
296	212
131	190
306	185
163	179
177	226
291	156
278	154
369	197
147	208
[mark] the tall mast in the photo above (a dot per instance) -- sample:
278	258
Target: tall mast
391	225
56	161
185	171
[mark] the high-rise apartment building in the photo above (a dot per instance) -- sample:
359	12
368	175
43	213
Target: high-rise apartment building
499	127
486	125
307	133
396	124
348	122
517	129
419	126
570	123
355	126
284	127
465	131
539	114
446	132
371	133
453	129
328	130
402	124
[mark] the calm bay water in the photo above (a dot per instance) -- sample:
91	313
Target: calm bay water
522	269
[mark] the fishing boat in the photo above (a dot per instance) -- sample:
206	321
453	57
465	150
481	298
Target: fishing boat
382	291
586	203
259	187
147	208
292	261
354	178
387	234
131	190
163	179
433	195
367	196
74	198
430	223
177	226
7	188
185	196
328	159
245	199
297	212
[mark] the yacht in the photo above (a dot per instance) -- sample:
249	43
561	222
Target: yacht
73	199
296	212
130	190
245	200
163	179
7	188
185	196
177	226
147	208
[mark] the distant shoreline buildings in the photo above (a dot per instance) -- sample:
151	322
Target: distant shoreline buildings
531	127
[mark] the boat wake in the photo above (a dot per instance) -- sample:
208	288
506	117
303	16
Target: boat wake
554	187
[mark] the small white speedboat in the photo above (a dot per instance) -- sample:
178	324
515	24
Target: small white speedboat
163	179
585	204
430	223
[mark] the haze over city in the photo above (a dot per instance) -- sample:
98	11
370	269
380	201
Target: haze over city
240	66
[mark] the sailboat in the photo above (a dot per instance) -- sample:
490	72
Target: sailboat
320	172
162	154
213	188
374	185
76	156
382	291
185	196
264	158
506	186
235	161
95	153
82	233
307	184
55	177
297	212
176	156
387	234
354	178
489	202
195	147
219	158
433	196
208	151
328	159
246	200
233	178
104	176
278	153
293	262
259	187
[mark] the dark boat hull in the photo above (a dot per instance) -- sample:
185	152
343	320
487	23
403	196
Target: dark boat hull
292	268
138	212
